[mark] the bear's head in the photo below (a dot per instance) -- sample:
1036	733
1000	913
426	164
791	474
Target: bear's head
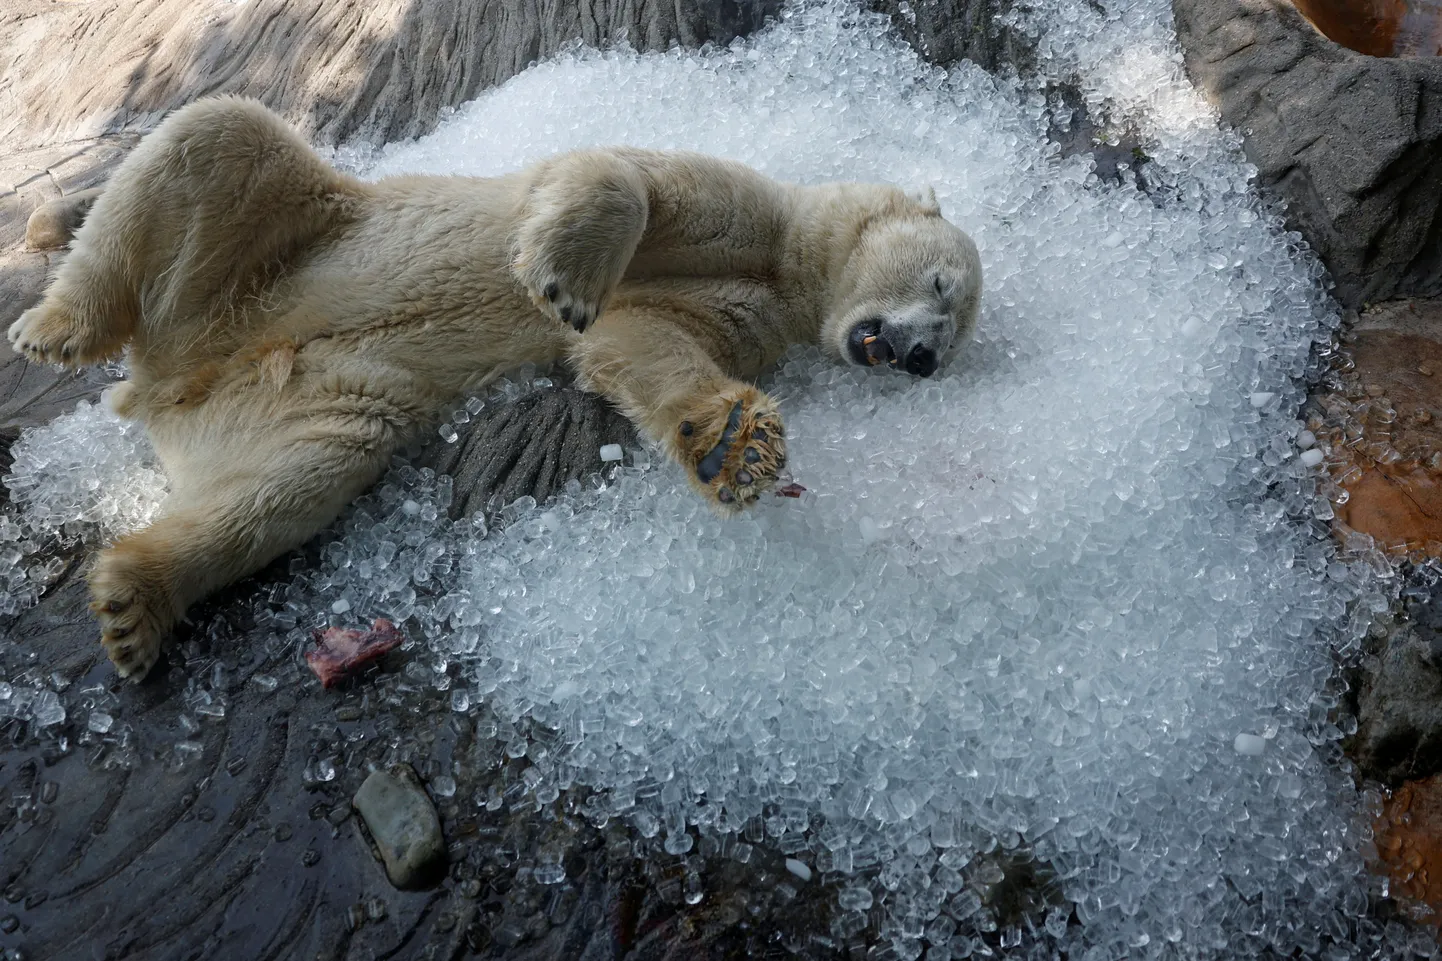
909	290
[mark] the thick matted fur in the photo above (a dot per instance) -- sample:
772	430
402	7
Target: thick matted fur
288	327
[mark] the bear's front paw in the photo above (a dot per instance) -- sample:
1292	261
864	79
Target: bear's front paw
133	618
49	334
733	446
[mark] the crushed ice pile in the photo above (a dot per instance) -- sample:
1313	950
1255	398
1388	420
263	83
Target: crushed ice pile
86	478
1072	600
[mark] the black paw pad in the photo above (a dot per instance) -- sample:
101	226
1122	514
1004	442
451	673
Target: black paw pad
552	291
715	459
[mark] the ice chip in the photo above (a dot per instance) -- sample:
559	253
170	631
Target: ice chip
1248	744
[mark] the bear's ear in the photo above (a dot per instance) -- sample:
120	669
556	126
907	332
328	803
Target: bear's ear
926	196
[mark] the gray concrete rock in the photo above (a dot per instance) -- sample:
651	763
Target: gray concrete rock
382	70
945	31
403	823
1398	699
1352	143
533	447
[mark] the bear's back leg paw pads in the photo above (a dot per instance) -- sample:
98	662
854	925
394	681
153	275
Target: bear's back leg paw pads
133	619
48	333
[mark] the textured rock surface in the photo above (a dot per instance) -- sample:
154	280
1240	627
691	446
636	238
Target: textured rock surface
31	395
945	31
1399	701
531	447
403	824
1352	143
1408	835
381	70
1381	425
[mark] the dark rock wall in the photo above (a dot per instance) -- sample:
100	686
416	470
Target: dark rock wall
1352	143
946	31
382	70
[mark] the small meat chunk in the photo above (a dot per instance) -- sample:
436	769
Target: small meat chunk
340	652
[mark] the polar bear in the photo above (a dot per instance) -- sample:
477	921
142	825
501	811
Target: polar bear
289	327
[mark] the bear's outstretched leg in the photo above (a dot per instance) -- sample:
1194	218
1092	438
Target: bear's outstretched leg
726	433
216	530
88	314
584	217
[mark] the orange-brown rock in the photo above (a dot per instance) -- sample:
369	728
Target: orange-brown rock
1409	842
1383	431
1379	28
1402	511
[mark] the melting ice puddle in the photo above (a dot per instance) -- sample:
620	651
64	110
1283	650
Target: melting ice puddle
1070	597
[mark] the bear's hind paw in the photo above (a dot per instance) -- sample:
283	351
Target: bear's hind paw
734	448
132	624
47	333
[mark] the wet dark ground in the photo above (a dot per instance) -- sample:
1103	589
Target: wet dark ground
195	829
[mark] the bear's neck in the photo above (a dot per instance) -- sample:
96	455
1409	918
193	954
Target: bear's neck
826	226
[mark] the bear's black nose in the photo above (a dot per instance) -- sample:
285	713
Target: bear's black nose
921	361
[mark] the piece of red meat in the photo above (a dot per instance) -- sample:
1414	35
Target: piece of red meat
790	490
340	653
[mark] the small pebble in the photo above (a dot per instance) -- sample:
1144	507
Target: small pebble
403	823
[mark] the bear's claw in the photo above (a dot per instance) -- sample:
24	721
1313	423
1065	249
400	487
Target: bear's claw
559	303
735	449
